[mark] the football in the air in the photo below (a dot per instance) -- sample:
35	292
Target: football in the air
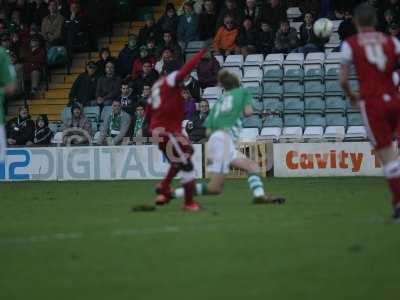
323	28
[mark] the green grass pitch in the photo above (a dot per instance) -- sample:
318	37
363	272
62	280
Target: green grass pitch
79	240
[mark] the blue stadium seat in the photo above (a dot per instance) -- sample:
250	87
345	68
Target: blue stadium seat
273	105
314	105
293	105
355	119
293	88
273	121
335	104
293	120
333	88
293	75
314	88
272	89
258	105
314	74
273	75
92	112
253	121
66	114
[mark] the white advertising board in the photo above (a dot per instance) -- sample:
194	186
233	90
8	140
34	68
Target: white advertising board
89	163
325	159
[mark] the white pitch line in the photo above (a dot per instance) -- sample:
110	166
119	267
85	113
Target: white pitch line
65	236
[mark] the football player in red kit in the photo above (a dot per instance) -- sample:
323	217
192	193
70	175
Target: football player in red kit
166	113
375	55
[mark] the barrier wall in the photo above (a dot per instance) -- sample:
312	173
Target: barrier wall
325	159
89	163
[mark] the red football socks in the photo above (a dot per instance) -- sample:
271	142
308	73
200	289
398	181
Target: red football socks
166	183
189	188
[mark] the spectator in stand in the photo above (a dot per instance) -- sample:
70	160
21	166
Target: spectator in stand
139	122
230	8
187	25
347	28
115	126
192	85
138	63
16	44
19	75
252	11
128	99
149	31
190	104
77	130
165	57
207	22
207	71
394	30
34	60
274	12
24	11
393	5
388	19
147	77
195	128
309	6
75	26
145	94
225	39
286	38
169	20
151	48
42	134
104	58
246	40
127	56
108	87
20	129
40	11
168	42
52	26
16	25
306	29
84	87
266	38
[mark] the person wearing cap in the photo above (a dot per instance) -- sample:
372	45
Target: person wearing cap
34	60
77	130
21	128
187	25
42	134
84	87
127	56
150	30
169	20
388	18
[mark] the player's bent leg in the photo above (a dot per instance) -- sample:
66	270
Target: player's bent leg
188	183
255	183
391	169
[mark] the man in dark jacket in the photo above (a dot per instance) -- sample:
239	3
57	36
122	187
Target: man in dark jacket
128	99
207	71
246	41
108	87
207	21
20	129
127	56
147	76
195	129
274	12
149	31
84	88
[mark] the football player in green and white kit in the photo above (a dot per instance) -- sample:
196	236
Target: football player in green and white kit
224	123
7	87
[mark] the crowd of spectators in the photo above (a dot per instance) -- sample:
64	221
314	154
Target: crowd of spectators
39	34
124	82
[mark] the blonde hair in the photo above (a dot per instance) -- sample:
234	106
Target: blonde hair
227	80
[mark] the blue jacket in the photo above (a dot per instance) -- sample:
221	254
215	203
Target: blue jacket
187	31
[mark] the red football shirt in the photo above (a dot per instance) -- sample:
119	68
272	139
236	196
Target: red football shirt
374	56
166	106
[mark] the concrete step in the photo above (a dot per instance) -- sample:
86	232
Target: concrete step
56	86
44	101
71	78
57	94
46	109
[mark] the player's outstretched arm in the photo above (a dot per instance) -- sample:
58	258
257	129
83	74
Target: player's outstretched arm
190	65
